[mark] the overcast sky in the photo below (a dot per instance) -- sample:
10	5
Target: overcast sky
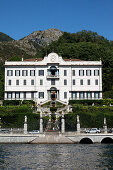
19	18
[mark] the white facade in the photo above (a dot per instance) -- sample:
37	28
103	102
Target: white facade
53	77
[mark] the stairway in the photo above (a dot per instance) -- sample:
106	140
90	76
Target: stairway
52	139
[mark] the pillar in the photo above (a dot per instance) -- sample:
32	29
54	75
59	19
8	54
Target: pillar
25	125
63	123
41	123
77	95
78	124
105	126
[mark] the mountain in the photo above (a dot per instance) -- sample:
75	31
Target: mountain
4	37
29	45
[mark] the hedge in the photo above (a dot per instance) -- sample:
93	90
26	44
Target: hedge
90	102
11	102
89	117
12	110
17	102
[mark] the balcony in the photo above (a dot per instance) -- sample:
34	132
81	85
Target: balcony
53	73
52	76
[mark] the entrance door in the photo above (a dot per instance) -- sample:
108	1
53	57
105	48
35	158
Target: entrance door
53	95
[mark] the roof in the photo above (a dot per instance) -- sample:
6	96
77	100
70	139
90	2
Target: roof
40	59
72	60
34	59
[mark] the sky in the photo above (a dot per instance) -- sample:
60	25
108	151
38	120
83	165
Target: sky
19	18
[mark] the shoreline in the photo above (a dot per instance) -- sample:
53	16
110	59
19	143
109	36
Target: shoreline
53	139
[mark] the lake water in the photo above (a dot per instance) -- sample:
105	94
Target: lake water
56	156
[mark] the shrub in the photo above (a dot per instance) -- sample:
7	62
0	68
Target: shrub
11	102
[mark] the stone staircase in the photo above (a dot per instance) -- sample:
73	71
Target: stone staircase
53	133
52	139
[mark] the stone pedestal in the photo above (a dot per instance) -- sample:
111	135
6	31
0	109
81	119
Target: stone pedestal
25	125
78	124
105	126
41	123
63	124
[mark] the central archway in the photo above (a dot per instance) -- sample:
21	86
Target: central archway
86	141
107	140
53	93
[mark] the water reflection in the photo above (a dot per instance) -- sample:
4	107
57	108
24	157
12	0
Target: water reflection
56	157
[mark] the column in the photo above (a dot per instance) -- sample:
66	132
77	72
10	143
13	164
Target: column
92	95
77	95
105	126
5	95
63	123
85	96
25	125
41	123
100	95
78	125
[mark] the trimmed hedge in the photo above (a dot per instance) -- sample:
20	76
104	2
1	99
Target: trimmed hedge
90	102
89	117
28	102
12	110
17	102
11	102
17	121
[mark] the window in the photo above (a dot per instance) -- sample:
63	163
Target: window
9	72
17	82
32	95
81	95
24	95
41	95
81	82
41	72
24	82
73	72
65	82
32	82
9	95
65	72
24	72
89	95
65	95
73	82
73	95
9	82
96	82
17	95
88	82
96	72
41	82
52	82
81	72
32	72
96	95
17	72
88	72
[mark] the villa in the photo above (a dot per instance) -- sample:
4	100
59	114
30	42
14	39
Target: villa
53	78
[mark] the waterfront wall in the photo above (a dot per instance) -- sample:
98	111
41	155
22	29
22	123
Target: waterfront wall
49	139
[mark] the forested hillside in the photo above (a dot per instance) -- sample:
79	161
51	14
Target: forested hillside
85	45
4	37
